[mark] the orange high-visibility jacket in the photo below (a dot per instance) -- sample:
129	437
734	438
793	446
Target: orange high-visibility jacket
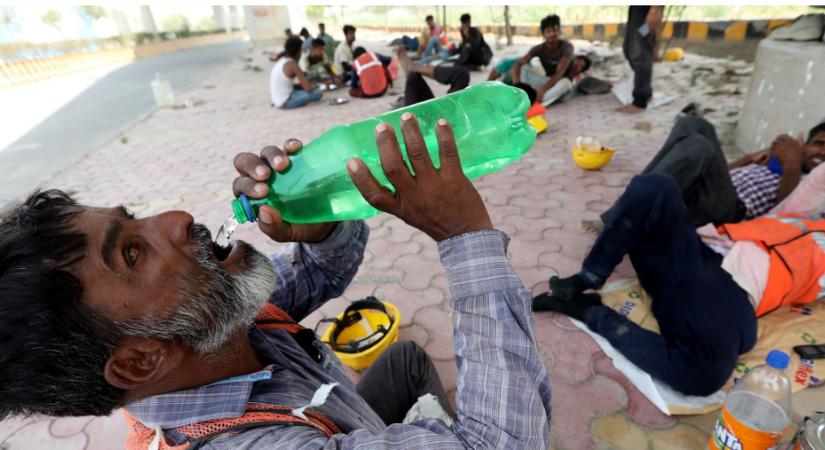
371	74
796	246
140	437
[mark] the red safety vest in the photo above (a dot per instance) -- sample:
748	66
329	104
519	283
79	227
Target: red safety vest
796	246
371	74
140	437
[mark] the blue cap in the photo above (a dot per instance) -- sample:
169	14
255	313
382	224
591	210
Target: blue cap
778	359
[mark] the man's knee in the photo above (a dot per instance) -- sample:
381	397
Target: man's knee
413	79
652	185
694	125
460	79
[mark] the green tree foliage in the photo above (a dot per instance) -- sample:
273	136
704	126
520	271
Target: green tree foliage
52	18
176	22
94	12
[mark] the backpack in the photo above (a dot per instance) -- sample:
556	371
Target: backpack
257	415
371	74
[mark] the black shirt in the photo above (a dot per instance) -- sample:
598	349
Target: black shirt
550	58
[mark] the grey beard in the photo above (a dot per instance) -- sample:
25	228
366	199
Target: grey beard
215	304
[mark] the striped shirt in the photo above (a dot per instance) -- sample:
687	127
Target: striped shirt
503	398
758	188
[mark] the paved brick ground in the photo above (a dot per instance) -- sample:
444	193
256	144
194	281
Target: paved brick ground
181	159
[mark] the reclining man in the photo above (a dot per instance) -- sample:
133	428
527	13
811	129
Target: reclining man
717	192
707	285
416	89
99	310
556	57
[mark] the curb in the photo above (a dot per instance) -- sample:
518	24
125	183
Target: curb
25	71
727	30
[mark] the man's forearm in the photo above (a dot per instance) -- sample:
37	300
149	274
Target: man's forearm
311	274
495	346
790	179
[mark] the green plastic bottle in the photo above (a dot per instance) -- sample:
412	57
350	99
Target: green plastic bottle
490	130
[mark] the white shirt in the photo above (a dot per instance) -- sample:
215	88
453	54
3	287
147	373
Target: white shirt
280	85
342	54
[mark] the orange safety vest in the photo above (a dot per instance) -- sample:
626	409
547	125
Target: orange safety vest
796	246
371	74
140	437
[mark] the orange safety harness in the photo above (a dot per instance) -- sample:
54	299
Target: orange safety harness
257	415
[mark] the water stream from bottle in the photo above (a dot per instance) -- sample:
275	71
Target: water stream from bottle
225	231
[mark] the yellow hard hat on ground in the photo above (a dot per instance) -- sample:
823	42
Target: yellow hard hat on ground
589	154
674	54
364	330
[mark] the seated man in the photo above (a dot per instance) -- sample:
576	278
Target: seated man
556	56
717	192
100	310
330	44
434	42
370	74
316	65
473	51
707	287
288	33
416	90
343	54
288	86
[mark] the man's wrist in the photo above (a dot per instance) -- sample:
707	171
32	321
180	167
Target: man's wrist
476	263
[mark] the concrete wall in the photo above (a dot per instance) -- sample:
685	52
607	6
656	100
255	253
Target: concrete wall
786	94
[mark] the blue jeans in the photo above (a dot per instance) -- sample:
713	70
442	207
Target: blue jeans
300	98
434	44
705	318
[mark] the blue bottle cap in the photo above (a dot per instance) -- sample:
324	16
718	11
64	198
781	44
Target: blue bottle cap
245	202
778	359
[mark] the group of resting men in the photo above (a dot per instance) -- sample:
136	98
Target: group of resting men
305	65
199	342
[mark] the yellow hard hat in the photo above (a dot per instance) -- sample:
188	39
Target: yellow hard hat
674	54
539	123
364	330
590	155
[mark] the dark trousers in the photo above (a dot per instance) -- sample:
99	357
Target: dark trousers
706	319
417	90
393	383
693	157
639	53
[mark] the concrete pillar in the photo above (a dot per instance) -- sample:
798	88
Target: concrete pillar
235	18
121	22
221	18
147	20
785	93
266	24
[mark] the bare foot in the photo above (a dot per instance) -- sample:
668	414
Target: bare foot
629	109
593	226
403	58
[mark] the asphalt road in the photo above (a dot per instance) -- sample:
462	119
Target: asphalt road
99	114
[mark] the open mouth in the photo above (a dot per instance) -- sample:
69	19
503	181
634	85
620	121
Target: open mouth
221	252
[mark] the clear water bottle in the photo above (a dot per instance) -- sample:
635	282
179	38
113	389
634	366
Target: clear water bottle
757	409
490	128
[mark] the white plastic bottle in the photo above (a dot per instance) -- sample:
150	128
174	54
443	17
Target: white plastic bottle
757	409
162	91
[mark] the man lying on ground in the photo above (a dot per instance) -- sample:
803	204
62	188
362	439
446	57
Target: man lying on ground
503	70
416	89
316	65
717	192
556	56
99	310
288	85
707	286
